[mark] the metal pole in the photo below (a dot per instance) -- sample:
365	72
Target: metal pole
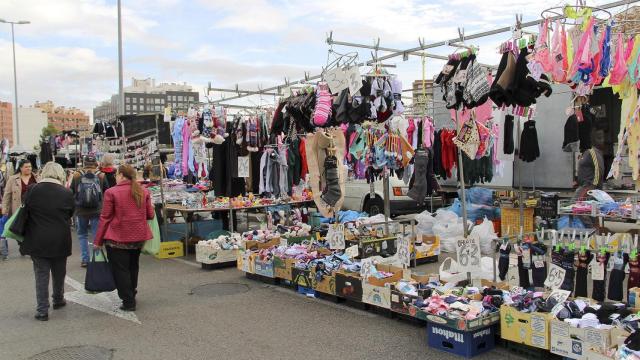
462	185
518	163
15	85
387	203
120	70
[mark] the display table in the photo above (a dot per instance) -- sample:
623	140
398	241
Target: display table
187	214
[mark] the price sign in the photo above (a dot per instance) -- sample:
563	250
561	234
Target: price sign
335	236
404	246
365	270
468	251
336	80
555	278
352	75
352	251
243	166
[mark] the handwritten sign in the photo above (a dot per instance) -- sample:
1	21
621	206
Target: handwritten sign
555	278
336	79
243	166
404	245
468	251
335	236
354	79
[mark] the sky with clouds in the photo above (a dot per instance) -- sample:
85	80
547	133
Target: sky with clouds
68	53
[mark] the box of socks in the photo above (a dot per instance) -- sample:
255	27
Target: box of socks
283	268
264	267
464	343
530	329
349	285
379	296
386	274
403	301
258	245
572	342
323	283
301	277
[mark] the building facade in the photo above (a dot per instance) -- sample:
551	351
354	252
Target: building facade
144	97
65	119
32	120
6	121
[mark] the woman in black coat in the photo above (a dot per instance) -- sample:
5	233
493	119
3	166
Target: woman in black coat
48	207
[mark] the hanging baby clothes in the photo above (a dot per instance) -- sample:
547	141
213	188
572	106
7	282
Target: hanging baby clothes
584	259
598	291
177	145
616	279
634	273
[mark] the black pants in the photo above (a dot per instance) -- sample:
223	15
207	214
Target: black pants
125	266
43	267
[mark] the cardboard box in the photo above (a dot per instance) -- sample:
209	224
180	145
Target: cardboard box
379	296
396	271
463	343
170	249
264	268
430	246
461	324
425	278
349	286
283	268
327	285
531	329
373	247
301	278
634	297
404	303
256	245
572	342
208	255
245	261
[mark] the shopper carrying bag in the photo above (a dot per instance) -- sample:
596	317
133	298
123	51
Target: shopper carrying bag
48	207
99	277
123	230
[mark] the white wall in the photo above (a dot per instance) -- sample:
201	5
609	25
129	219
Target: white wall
32	120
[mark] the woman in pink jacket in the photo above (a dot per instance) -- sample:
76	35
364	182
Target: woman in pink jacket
123	229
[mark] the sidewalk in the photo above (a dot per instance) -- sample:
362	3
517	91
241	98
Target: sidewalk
265	322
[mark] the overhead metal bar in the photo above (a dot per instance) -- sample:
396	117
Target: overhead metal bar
489	33
405	54
422	47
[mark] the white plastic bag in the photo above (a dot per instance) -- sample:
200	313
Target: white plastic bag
486	233
451	274
425	223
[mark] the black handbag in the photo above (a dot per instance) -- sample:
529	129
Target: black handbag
19	224
99	277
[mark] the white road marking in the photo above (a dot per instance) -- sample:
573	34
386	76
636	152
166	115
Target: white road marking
105	302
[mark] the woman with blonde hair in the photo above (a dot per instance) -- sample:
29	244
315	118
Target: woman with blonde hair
48	208
123	229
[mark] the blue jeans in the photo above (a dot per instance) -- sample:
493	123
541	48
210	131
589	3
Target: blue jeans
83	223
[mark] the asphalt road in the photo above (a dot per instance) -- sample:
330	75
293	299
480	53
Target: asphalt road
265	322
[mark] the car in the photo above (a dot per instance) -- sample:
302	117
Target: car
358	197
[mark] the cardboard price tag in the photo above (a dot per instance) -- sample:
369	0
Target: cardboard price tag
243	166
468	251
352	251
404	253
352	75
335	236
555	278
336	80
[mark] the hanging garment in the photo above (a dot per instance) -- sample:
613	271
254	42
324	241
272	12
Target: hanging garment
504	77
529	149
478	85
423	182
584	259
224	166
539	264
634	273
177	145
559	54
598	292
616	278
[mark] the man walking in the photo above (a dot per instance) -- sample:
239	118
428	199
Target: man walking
87	186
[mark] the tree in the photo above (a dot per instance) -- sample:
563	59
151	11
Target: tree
48	131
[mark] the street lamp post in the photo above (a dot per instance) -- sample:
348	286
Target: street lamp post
15	76
120	70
